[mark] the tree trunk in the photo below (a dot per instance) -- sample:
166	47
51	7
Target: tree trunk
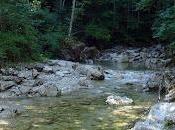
114	12
63	3
72	17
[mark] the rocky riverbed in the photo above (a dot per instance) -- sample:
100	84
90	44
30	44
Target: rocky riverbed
119	84
53	78
87	106
50	79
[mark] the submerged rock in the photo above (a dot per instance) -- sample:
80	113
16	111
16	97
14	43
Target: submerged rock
84	82
123	58
117	100
9	109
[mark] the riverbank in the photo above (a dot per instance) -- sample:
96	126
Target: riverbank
152	57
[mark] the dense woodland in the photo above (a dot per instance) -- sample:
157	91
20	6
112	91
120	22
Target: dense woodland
37	29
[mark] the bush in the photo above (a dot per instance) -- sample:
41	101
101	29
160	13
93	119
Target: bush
17	35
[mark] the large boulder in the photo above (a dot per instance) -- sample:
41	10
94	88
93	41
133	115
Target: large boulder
92	72
157	117
96	74
72	52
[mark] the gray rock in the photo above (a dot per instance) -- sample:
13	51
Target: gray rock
48	90
9	72
9	109
29	83
18	80
24	89
155	83
35	73
25	74
63	73
38	82
48	69
39	67
96	74
157	117
14	91
92	72
85	83
170	97
7	78
5	85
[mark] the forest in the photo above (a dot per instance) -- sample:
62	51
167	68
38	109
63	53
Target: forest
36	29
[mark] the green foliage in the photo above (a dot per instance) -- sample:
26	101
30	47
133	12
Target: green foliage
163	23
50	33
99	32
16	47
17	35
164	26
28	30
144	4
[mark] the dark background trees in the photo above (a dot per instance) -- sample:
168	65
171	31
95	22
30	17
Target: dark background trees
33	29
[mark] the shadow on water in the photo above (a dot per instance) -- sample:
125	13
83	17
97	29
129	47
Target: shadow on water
84	109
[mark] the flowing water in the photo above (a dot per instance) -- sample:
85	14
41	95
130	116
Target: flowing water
86	109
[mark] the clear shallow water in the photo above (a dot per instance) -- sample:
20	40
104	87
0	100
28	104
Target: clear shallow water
84	109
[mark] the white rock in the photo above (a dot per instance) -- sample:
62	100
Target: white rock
117	100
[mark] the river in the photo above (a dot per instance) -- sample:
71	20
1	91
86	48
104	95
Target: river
85	109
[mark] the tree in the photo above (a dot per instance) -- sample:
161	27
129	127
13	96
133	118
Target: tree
72	17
